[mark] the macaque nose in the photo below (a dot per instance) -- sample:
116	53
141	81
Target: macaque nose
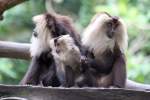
115	19
57	51
55	41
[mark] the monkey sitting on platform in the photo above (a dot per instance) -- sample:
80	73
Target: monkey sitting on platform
69	65
106	37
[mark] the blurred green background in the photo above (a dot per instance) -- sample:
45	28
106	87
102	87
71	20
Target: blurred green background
17	26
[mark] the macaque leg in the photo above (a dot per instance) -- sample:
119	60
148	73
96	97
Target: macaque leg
61	73
33	73
50	78
70	76
65	74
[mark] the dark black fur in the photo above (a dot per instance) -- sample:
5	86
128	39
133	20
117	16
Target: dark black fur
112	62
87	75
60	27
38	68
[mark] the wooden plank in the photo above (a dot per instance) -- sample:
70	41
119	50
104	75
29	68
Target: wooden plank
49	93
14	50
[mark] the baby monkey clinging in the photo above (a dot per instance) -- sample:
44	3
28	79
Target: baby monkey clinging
68	61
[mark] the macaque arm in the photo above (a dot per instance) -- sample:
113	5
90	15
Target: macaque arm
98	66
33	73
50	78
119	71
61	73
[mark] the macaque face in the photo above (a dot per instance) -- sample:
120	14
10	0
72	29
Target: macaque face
40	36
41	32
104	31
111	26
62	44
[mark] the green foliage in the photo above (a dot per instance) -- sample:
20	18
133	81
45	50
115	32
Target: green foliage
11	71
138	68
19	18
86	12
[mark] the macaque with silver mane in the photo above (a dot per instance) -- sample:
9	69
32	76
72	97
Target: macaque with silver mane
106	37
42	68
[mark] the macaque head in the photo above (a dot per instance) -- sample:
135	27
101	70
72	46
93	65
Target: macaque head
64	47
48	26
62	43
103	25
41	33
109	25
44	26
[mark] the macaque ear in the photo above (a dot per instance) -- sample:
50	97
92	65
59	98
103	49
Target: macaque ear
95	16
98	14
67	36
50	22
38	18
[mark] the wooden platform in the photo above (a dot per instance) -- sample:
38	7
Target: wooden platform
49	93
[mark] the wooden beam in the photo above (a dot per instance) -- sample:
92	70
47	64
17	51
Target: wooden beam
14	50
21	51
49	93
137	86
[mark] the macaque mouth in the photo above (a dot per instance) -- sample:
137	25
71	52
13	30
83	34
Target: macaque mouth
112	26
56	45
35	34
55	41
57	51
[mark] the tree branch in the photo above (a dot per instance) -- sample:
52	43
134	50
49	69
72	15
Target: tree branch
6	4
49	7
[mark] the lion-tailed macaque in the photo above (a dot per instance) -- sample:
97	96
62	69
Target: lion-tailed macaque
42	69
106	37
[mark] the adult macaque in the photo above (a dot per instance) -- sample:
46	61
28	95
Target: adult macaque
42	68
106	37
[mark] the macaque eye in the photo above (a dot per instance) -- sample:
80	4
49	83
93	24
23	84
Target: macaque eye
109	24
58	44
35	34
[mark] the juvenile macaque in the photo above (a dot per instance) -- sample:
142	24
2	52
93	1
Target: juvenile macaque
68	59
